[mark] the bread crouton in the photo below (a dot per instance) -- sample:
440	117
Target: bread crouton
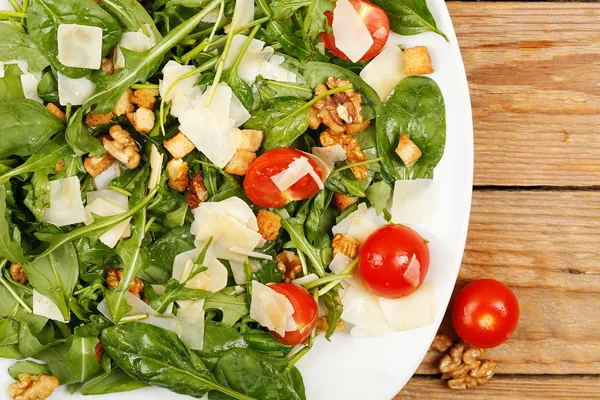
97	165
124	105
178	174
408	151
342	201
240	162
142	120
417	61
345	245
57	112
179	145
252	139
145	98
268	224
197	193
93	119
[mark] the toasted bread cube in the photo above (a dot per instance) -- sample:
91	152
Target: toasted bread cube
252	139
408	151
142	120
342	201
93	119
268	224
145	98
124	105
57	112
417	61
178	174
179	145
240	162
97	165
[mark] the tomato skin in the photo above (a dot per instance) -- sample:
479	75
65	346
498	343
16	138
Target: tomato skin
385	257
374	17
261	190
485	313
305	315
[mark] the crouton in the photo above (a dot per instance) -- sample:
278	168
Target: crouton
342	201
252	139
142	120
240	162
178	174
97	165
417	61
145	98
408	151
345	245
57	112
268	224
179	145
197	193
107	66
93	119
124	105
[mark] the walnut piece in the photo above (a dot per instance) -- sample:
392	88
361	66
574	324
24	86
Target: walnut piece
179	145
408	152
462	365
268	224
342	201
289	263
114	276
417	61
98	351
345	245
32	387
97	165
122	147
57	112
178	174
441	343
17	273
322	325
352	148
197	193
60	164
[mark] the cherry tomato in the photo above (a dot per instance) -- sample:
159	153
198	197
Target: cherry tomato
393	261
305	315
261	190
377	23
485	313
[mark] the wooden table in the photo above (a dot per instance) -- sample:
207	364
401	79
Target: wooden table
534	76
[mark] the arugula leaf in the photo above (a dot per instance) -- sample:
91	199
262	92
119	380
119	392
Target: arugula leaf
284	35
132	15
27	367
47	89
409	17
10	246
38	193
334	306
44	17
114	381
163	250
74	360
269	90
93	328
79	137
11	87
315	21
232	307
174	291
379	194
25	127
416	108
17	45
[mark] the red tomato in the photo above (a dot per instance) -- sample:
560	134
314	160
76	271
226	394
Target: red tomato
393	261
377	23
485	313
261	190
305	315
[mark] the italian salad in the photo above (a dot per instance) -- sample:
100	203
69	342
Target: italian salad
194	191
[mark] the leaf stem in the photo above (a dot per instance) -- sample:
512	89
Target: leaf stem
148	86
6	15
15	5
356	164
326	279
120	190
295	358
331	285
133	318
15	295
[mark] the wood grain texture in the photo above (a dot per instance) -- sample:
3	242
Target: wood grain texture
507	388
533	74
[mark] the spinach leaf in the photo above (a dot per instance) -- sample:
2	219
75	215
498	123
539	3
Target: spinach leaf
315	22
25	127
379	194
9	332
157	357
47	89
269	90
280	120
38	194
409	17
80	138
232	307
318	72
55	276
246	371
318	206
11	351
283	9
27	367
114	381
218	339
174	291
17	45
295	378
284	35
10	246
334	306
10	85
164	250
44	17
74	360
35	335
415	107
264	342
132	15
93	328
139	66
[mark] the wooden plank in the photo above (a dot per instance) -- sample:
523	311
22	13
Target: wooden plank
533	241
507	388
533	74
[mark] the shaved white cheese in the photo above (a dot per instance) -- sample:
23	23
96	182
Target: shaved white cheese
44	307
385	71
184	102
253	254
290	325
415	201
66	207
74	91
305	279
339	263
237	43
171	74
239	289
79	46
239	273
269	308
360	223
413	311
283	213
29	82
377	329
211	17
276	60
238	112
330	155
169	323
22	64
117	198
134	41
191	317
412	274
213	279
297	170
361	308
102	181
105	208
352	36
243	13
156	161
274	72
159	289
137	307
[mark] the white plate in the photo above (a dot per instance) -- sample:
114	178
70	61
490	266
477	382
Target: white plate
377	368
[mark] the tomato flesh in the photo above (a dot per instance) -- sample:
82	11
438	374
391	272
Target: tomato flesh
393	261
485	313
376	21
261	190
305	315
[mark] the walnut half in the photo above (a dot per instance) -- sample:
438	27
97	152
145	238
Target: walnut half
17	273
121	146
289	263
114	276
463	368
32	387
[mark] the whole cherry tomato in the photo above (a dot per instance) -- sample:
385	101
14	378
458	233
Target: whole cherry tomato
305	315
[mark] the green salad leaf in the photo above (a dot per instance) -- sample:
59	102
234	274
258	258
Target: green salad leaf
17	45
409	17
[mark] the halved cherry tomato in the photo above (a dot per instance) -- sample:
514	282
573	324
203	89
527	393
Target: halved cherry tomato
376	21
393	261
305	315
261	190
485	313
